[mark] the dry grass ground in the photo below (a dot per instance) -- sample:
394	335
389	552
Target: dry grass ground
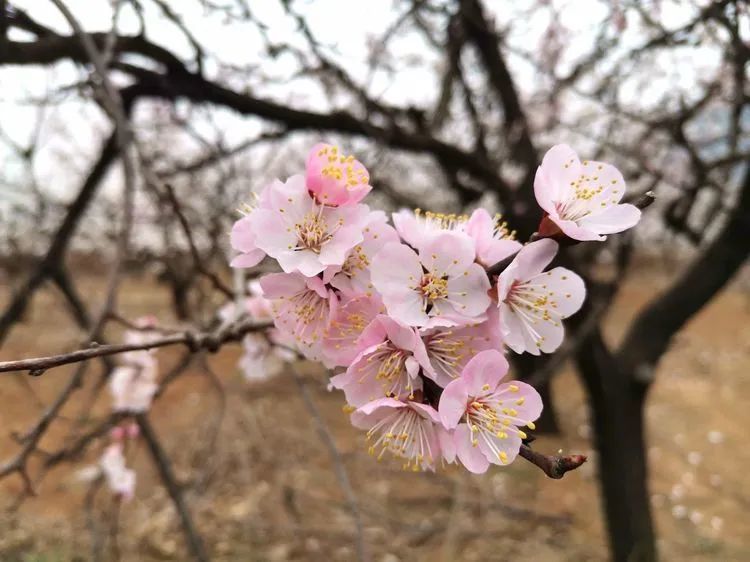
262	487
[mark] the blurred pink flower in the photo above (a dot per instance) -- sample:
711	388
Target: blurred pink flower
143	335
581	199
485	415
440	286
119	478
256	306
407	430
303	235
260	360
389	365
133	385
533	303
334	178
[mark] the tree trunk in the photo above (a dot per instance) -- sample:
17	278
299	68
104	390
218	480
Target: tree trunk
617	416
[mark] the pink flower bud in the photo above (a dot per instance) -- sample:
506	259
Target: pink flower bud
335	179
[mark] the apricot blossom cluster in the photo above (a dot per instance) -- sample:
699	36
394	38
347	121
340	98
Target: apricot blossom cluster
413	315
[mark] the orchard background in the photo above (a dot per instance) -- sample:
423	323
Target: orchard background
132	131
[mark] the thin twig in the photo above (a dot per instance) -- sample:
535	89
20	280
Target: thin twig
164	466
338	462
210	275
554	466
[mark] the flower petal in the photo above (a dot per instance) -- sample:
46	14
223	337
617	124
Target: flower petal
615	218
496	450
448	254
534	257
395	269
484	372
453	402
467	292
560	167
250	259
469	455
565	288
524	399
572	230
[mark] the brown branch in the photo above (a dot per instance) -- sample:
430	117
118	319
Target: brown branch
554	466
195	341
49	49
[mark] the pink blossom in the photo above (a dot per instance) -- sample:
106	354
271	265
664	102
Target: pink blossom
119	478
493	241
582	199
407	430
353	277
303	235
342	342
485	415
441	285
389	365
449	349
302	307
533	303
255	306
334	178
133	385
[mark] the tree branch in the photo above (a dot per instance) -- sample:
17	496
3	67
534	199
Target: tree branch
554	466
195	341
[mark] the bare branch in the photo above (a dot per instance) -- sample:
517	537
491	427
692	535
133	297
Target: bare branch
338	462
195	341
164	467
